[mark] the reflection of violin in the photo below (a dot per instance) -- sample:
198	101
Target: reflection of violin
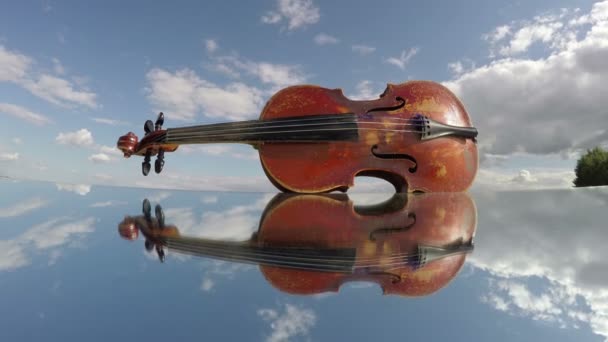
417	136
306	244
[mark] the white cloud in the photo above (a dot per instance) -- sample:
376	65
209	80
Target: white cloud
363	49
111	122
9	156
527	35
23	114
207	284
497	34
16	68
106	204
50	235
105	154
184	94
271	74
364	91
459	67
23	207
12	256
57	232
237	223
533	179
297	13
13	65
17	141
542	106
82	137
293	321
60	91
325	39
80	189
403	59
211	45
100	158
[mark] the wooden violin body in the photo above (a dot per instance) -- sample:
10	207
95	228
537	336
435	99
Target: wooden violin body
417	136
410	245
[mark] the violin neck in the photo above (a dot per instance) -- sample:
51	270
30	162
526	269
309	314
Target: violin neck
324	260
318	128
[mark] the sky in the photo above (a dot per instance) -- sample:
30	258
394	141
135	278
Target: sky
75	76
538	272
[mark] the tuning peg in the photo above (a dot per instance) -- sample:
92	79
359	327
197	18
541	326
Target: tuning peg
160	161
160	216
148	126
146	208
159	121
145	166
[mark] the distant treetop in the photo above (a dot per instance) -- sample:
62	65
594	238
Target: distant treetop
592	168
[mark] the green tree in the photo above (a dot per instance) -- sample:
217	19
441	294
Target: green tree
592	168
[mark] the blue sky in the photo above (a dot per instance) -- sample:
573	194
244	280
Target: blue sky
75	76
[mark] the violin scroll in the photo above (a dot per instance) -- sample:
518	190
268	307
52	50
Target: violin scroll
153	143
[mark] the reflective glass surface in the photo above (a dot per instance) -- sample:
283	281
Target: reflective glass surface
96	263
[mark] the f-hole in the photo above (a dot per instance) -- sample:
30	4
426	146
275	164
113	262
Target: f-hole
382	231
396	156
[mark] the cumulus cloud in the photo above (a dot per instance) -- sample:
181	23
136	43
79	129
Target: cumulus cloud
403	59
112	122
547	105
48	236
297	13
554	240
106	204
365	91
292	321
183	93
82	137
100	158
237	223
24	114
9	156
325	39
13	65
211	45
80	189
106	154
363	49
23	207
533	179
16	68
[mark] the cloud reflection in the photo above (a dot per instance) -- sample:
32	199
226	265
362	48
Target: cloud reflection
48	236
557	238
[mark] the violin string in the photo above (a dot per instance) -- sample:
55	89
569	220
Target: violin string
177	131
271	253
175	244
327	117
353	263
194	136
315	264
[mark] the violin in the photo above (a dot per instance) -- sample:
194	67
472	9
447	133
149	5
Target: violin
416	135
306	244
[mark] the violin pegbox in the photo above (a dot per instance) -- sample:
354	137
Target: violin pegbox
129	144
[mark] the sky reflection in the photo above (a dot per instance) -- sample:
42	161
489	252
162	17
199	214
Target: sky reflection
537	272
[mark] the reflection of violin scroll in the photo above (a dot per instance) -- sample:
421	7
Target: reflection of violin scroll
306	244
